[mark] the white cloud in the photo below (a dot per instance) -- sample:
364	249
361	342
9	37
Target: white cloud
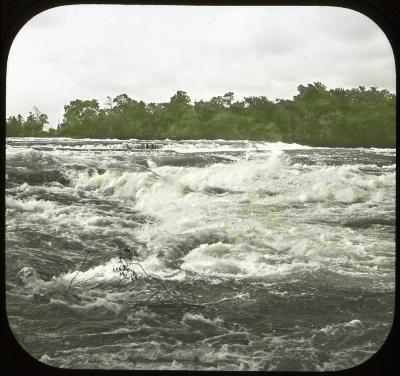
150	52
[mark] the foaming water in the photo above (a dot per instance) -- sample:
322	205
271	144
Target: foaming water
288	250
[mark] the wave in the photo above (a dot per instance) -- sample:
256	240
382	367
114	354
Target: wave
276	176
250	218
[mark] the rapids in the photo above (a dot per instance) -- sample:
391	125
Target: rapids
291	249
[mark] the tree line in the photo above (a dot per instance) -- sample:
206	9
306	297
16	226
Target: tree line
314	116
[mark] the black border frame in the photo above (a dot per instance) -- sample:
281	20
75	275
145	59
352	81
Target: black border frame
15	13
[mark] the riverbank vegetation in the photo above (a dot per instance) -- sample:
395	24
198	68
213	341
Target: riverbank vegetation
315	116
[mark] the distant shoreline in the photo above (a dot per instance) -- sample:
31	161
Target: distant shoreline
357	117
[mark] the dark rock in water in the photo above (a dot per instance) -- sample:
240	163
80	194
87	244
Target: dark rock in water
41	298
218	191
151	146
265	192
28	275
214	190
34	176
368	222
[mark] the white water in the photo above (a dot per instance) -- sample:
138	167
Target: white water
265	214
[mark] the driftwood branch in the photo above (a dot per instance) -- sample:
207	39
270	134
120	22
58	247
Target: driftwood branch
79	270
159	290
126	261
168	291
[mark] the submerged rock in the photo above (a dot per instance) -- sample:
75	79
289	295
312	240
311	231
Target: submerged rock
40	298
28	275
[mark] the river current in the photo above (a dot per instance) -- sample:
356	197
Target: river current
288	250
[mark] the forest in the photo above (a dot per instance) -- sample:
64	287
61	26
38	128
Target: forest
315	116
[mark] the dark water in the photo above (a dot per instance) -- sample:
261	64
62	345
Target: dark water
290	250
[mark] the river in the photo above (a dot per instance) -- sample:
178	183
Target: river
288	252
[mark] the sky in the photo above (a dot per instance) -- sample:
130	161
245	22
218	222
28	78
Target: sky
151	52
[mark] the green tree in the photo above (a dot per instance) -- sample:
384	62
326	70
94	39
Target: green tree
35	122
14	126
80	118
314	116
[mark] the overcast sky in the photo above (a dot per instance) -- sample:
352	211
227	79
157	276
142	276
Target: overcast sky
150	52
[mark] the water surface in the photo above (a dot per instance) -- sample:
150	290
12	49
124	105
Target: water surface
290	248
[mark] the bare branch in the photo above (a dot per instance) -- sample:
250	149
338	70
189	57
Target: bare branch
79	270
